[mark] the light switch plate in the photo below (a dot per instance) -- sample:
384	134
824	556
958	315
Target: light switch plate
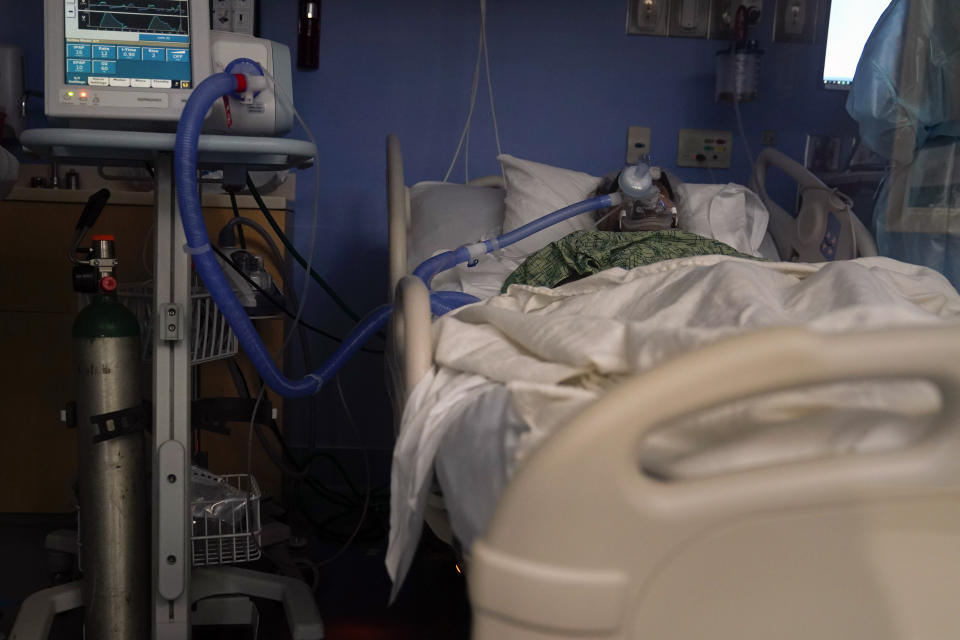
638	143
704	148
648	17
796	21
689	18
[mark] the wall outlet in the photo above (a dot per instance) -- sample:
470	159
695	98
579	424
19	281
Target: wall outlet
796	21
648	17
689	18
638	144
704	148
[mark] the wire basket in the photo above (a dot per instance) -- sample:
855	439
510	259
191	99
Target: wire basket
211	338
226	530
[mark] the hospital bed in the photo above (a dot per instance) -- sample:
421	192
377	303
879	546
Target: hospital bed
603	532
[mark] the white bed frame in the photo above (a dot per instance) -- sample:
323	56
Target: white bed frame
859	547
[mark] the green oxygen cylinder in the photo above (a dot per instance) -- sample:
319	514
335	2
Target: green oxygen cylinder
113	473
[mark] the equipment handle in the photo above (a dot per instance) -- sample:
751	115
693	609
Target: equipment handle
92	210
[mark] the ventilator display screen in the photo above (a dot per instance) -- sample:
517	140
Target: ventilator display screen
128	43
851	23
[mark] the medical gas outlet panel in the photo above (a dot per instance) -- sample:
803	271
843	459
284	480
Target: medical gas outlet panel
704	148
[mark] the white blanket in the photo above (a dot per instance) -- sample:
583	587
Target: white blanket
558	350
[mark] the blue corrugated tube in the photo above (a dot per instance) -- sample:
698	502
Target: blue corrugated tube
443	302
185	168
467	253
198	244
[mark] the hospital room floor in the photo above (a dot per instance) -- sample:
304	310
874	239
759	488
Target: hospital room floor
352	594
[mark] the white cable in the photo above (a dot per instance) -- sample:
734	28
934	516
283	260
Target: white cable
366	467
713	178
473	104
603	218
315	223
743	136
486	61
483	56
466	157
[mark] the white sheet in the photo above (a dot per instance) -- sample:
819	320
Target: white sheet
729	213
558	350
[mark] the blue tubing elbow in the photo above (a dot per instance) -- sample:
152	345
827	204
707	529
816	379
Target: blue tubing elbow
185	171
440	262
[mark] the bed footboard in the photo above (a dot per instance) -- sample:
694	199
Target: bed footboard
839	546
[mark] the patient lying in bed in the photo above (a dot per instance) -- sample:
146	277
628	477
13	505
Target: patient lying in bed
622	240
513	369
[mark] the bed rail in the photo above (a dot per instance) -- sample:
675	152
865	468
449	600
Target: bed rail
613	529
398	212
411	332
785	227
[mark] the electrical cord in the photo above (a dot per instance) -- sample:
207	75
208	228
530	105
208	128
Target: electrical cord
282	307
238	222
465	134
225	237
280	93
743	136
483	59
713	178
145	249
366	467
486	61
292	250
236	216
243	390
300	473
376	499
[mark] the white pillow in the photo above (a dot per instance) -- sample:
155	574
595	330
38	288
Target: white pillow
444	216
729	213
533	191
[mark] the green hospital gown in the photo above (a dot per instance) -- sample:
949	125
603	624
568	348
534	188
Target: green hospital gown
583	253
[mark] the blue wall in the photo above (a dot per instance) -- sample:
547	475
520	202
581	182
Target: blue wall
568	83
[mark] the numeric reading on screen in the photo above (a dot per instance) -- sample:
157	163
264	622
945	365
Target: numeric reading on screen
128	43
